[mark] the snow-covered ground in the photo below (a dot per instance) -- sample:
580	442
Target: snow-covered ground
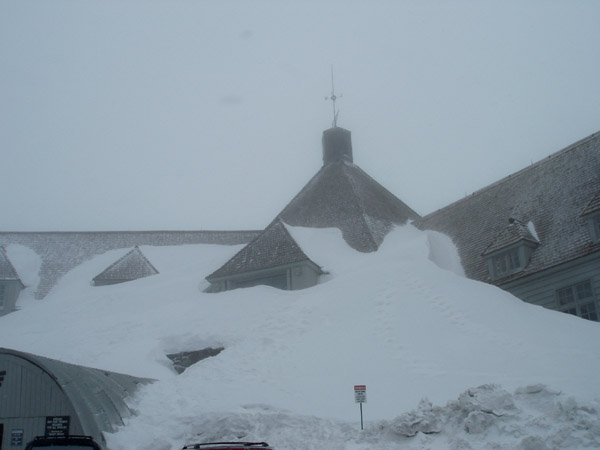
449	363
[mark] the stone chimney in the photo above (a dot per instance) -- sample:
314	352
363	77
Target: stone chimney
337	145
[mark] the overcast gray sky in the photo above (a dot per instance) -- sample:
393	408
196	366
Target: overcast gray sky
141	115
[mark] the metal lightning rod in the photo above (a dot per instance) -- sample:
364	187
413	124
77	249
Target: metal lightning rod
333	98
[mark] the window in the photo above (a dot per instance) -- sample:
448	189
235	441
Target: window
578	300
2	294
506	263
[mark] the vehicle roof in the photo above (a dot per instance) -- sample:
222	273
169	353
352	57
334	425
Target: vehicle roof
227	445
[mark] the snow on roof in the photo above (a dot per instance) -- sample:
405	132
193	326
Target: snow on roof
341	195
514	232
7	270
62	251
132	266
551	194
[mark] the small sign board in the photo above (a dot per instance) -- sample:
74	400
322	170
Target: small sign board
360	393
16	437
57	426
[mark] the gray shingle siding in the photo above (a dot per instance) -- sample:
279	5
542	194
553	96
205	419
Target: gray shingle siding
131	266
273	247
551	193
343	196
340	195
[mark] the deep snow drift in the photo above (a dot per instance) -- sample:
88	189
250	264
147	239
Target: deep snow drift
403	321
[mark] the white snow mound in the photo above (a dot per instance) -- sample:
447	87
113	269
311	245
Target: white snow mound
400	320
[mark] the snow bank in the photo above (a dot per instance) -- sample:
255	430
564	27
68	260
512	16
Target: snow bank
393	320
485	417
27	263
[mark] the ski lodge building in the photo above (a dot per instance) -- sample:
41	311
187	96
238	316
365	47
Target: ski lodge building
535	233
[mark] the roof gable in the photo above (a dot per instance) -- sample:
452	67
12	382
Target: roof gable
131	266
7	270
273	247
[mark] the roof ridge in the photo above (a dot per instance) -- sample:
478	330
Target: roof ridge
275	223
519	172
301	191
360	203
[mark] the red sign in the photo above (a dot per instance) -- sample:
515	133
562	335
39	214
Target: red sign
360	393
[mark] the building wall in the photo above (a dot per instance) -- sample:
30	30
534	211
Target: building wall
12	289
27	396
540	289
288	277
302	277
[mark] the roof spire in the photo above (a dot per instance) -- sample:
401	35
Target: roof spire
333	98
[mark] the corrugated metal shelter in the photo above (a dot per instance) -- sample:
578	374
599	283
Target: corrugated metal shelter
42	396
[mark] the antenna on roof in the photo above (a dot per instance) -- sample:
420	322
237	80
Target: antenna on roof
333	98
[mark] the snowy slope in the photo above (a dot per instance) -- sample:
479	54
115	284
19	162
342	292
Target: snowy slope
393	320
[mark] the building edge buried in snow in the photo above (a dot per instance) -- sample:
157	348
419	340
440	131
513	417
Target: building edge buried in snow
535	233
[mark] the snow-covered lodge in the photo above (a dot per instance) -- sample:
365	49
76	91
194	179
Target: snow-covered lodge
535	233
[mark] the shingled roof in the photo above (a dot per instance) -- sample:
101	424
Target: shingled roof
593	206
516	231
7	271
273	247
343	196
340	195
131	266
552	194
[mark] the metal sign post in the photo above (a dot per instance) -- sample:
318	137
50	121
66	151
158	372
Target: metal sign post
360	396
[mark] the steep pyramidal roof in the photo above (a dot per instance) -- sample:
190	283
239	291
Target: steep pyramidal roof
130	267
340	195
343	196
7	271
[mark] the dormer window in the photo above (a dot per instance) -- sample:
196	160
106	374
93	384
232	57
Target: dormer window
511	251
506	263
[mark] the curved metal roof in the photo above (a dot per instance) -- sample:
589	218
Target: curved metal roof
98	396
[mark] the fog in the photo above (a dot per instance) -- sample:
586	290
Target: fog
145	115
